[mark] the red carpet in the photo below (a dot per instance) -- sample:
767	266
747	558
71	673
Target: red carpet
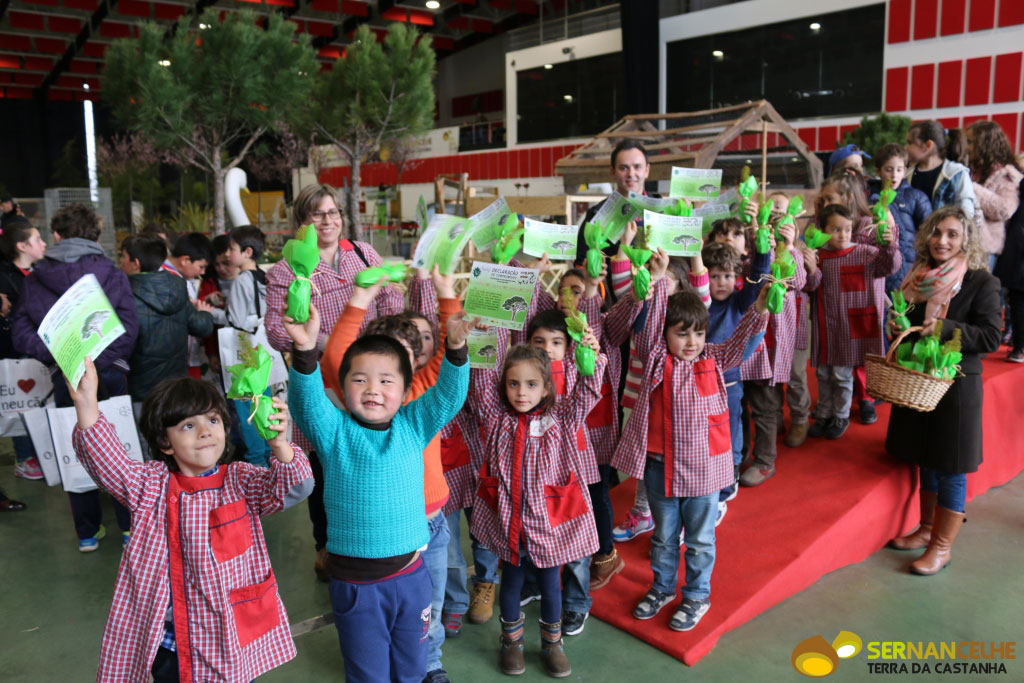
831	504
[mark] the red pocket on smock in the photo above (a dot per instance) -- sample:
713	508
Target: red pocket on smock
487	491
719	437
705	376
454	453
863	322
230	530
564	502
255	610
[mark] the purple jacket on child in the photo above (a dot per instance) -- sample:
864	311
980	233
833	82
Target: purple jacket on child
65	263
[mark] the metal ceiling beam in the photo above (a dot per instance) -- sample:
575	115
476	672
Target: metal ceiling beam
91	24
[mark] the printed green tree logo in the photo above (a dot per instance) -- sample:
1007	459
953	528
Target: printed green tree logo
707	189
476	272
487	351
93	324
562	246
685	240
516	304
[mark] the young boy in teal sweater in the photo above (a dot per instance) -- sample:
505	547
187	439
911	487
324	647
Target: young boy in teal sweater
372	459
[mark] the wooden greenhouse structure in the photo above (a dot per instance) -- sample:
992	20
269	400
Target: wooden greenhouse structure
729	138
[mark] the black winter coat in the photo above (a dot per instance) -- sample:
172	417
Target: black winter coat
1010	265
166	319
11	279
948	439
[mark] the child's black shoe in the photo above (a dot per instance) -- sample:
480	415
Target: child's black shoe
868	415
818	429
837	428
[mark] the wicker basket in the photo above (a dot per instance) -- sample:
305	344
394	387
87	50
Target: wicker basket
891	382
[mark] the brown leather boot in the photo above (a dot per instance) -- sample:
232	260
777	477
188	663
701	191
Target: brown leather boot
919	537
320	566
604	567
511	658
797	435
481	603
939	553
551	651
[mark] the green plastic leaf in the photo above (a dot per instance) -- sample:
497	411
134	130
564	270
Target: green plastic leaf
814	238
796	206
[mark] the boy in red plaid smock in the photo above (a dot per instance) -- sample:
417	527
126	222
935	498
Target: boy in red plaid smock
678	440
196	598
847	305
532	505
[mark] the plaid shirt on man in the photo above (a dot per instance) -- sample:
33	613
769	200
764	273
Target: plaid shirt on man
696	423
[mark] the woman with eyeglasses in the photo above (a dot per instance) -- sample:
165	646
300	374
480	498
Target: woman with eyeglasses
333	278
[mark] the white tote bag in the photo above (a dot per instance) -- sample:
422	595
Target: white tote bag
38	427
25	384
118	411
230	342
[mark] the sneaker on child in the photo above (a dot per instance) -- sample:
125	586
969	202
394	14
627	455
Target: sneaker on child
452	624
631	527
688	614
837	428
652	603
723	507
572	622
817	430
87	545
437	676
29	469
868	416
528	594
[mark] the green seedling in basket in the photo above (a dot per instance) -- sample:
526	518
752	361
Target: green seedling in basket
899	309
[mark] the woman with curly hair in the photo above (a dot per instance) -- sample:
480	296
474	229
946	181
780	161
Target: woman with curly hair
996	183
948	284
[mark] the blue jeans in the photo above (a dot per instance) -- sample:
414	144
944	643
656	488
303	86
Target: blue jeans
576	586
23	449
735	394
456	597
697	516
382	627
257	450
435	558
952	488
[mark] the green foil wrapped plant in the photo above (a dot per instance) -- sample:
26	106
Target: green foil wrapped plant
899	309
596	239
302	255
746	190
249	382
782	268
576	323
680	208
929	356
880	212
510	240
396	272
814	238
642	277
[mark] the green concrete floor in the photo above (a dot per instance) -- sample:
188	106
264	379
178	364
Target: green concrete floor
55	601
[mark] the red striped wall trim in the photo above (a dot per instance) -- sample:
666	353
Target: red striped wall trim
926	15
922	86
950	84
896	88
977	80
1007	84
927	19
900	12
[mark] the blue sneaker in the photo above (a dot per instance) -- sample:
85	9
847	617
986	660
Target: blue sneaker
87	545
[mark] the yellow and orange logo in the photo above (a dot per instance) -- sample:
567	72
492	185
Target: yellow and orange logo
816	658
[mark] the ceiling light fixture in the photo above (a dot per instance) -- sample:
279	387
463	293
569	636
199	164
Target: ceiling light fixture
717	54
85	86
815	26
433	4
549	66
164	62
567	98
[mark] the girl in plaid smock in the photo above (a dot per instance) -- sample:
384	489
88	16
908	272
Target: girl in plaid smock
847	306
196	598
532	504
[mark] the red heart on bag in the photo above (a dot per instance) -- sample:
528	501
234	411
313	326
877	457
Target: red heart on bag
26	384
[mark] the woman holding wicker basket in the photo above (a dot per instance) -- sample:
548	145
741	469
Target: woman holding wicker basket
949	285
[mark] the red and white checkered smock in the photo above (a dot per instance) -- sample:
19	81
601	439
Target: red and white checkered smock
780	339
197	541
848	303
612	330
330	292
531	487
696	419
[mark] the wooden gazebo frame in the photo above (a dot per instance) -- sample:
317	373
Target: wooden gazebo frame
727	138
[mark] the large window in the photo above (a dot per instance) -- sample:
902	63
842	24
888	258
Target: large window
571	99
824	65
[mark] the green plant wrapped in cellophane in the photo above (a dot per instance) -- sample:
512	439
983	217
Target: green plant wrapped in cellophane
576	324
783	268
900	308
302	255
249	382
642	277
929	356
880	212
814	238
680	208
510	240
746	190
368	277
763	235
596	238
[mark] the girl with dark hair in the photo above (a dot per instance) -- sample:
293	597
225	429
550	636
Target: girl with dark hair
996	184
943	180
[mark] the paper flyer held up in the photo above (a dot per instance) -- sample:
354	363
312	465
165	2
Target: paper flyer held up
696	183
81	323
555	240
483	226
483	349
709	213
442	243
500	295
656	204
677	235
614	214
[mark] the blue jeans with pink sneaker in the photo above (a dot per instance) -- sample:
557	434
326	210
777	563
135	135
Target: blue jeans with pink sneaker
671	515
